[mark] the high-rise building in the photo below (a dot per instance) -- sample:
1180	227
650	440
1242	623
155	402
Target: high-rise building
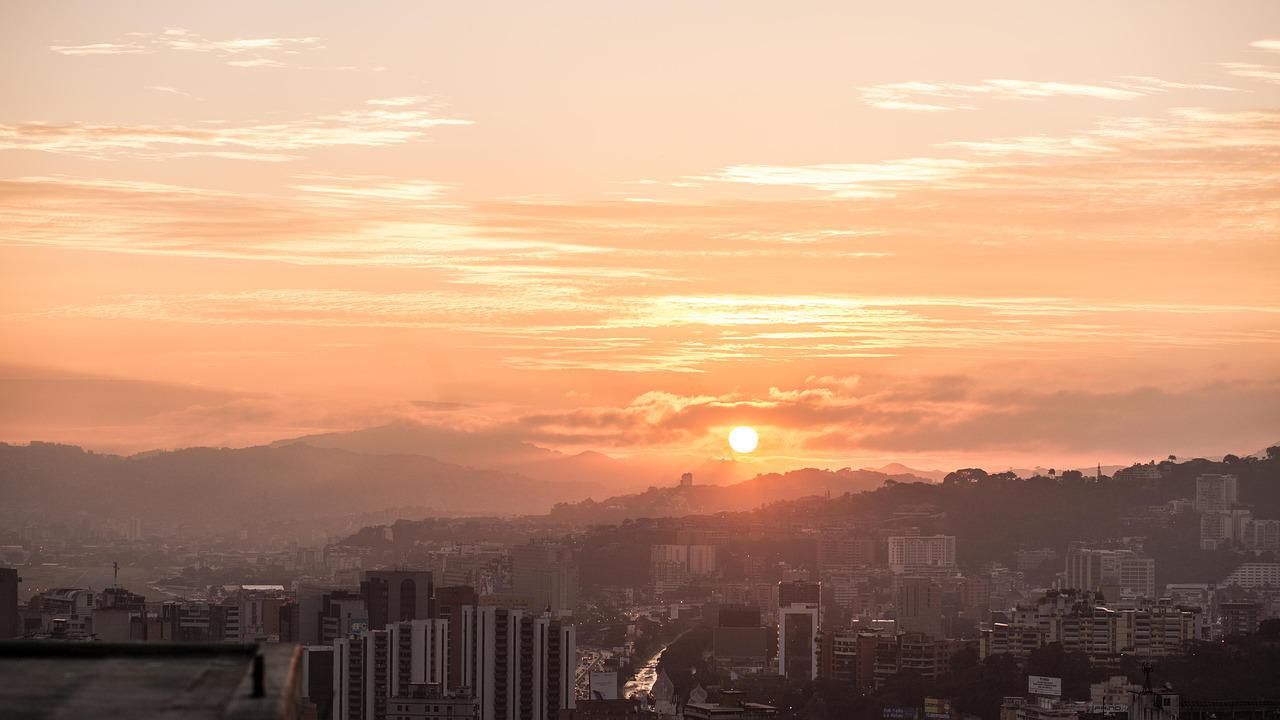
449	603
1239	618
419	653
840	548
545	576
396	595
1216	493
1254	574
1075	620
672	565
317	679
517	665
913	554
799	619
838	655
919	606
431	702
342	613
9	623
1114	573
1223	527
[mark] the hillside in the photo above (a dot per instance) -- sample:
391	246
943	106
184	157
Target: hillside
706	499
215	489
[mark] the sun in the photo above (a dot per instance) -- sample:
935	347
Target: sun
743	439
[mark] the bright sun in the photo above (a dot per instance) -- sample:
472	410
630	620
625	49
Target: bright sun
743	439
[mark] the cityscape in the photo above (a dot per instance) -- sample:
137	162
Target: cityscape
723	360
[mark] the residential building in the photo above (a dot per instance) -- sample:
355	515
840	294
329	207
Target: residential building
919	606
545	575
1239	618
914	553
1114	573
1216	493
798	624
1254	575
425	701
516	664
10	625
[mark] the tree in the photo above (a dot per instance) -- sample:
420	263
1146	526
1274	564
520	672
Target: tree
965	476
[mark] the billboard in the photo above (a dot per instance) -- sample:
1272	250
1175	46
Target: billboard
1041	685
604	686
937	709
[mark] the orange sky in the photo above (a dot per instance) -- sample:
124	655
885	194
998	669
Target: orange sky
1008	233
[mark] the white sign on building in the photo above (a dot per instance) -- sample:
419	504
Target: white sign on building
1041	685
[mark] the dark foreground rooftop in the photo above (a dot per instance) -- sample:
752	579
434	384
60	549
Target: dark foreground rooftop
53	679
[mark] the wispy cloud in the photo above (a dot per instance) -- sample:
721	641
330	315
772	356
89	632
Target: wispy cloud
371	126
174	91
240	52
1253	71
940	97
867	180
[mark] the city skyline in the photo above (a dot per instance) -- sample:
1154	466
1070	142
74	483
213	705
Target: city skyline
1010	236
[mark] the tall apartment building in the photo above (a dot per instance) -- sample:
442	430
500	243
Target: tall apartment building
449	603
916	554
341	613
1216	493
10	627
362	673
545	576
838	655
1262	535
1239	618
1114	573
1224	527
1254	575
672	565
395	595
799	618
841	548
919	606
518	666
419	653
1077	622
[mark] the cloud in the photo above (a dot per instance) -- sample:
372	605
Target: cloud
370	126
864	180
576	328
941	414
239	52
174	91
941	97
1253	71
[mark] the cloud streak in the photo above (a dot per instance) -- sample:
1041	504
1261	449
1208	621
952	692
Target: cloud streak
238	52
945	96
374	125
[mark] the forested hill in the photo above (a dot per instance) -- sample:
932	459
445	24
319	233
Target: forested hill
991	515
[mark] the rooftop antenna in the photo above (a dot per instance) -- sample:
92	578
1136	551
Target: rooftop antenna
115	574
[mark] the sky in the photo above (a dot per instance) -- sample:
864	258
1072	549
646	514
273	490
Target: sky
997	233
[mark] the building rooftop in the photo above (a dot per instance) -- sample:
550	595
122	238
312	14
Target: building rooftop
145	681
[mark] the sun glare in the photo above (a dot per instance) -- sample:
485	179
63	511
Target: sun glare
743	439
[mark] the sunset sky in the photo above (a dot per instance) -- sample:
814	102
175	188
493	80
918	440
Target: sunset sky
941	233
